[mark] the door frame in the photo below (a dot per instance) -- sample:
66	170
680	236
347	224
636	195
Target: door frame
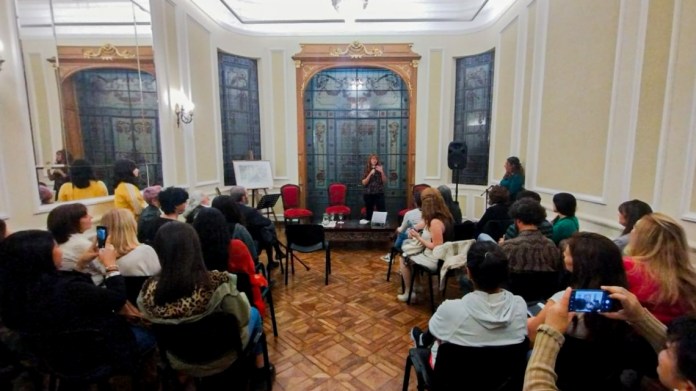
396	57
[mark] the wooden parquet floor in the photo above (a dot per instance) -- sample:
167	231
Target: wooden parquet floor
349	335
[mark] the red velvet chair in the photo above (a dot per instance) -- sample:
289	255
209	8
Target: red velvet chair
337	199
291	196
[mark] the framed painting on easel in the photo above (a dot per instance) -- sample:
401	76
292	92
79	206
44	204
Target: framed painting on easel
253	174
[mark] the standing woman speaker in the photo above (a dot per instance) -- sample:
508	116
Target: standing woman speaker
513	180
373	183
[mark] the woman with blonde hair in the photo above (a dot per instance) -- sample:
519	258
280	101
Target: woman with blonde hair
134	258
437	226
658	268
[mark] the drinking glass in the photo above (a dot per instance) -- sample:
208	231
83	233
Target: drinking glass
340	218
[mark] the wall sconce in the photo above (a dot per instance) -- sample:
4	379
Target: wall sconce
184	113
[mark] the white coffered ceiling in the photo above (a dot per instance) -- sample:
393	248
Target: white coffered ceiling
319	17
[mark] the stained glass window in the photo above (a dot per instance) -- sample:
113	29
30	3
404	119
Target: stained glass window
472	114
119	122
351	113
239	103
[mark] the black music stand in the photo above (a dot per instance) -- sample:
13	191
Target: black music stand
268	202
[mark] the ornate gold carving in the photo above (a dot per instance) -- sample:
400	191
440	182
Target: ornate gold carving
307	73
107	53
356	50
298	63
414	63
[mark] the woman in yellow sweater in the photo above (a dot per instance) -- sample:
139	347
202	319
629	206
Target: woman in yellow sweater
126	192
83	184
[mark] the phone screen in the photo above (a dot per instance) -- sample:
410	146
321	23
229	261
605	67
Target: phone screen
101	236
591	300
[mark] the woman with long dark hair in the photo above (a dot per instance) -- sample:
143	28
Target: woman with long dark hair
593	261
186	291
235	222
83	183
38	300
513	180
629	214
59	173
126	192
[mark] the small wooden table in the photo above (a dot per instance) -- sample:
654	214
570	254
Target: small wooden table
353	231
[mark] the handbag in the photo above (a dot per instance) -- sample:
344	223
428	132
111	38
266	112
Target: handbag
412	247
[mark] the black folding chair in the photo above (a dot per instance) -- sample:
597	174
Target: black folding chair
306	238
489	368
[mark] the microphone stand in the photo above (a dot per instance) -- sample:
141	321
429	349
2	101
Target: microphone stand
488	189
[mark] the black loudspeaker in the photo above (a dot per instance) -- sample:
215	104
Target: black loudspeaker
456	155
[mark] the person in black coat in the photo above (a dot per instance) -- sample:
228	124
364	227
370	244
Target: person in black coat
260	227
499	201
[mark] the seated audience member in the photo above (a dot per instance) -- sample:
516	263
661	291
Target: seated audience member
83	184
452	205
530	251
45	194
593	261
499	200
488	316
39	301
185	291
546	228
411	219
676	345
437	226
172	201
126	192
658	268
218	252
629	213
260	227
197	201
152	210
235	222
565	223
68	224
4	232
134	259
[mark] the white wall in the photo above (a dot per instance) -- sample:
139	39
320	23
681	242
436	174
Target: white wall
595	96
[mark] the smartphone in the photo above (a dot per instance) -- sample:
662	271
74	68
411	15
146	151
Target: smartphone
592	300
101	236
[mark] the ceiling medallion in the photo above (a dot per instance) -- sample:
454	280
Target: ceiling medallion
107	53
356	50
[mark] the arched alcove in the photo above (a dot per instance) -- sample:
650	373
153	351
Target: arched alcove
315	58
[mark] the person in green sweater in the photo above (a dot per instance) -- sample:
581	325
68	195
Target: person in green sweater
565	224
513	180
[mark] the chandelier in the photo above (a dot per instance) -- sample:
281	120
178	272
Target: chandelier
349	10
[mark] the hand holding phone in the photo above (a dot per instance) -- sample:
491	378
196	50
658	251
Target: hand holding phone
102	233
592	300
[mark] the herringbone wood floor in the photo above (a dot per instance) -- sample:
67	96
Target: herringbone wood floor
349	335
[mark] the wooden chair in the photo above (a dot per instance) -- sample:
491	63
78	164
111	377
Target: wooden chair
337	199
489	368
292	196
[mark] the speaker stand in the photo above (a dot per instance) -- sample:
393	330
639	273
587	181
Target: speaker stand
456	186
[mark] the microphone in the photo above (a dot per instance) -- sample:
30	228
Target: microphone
487	189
